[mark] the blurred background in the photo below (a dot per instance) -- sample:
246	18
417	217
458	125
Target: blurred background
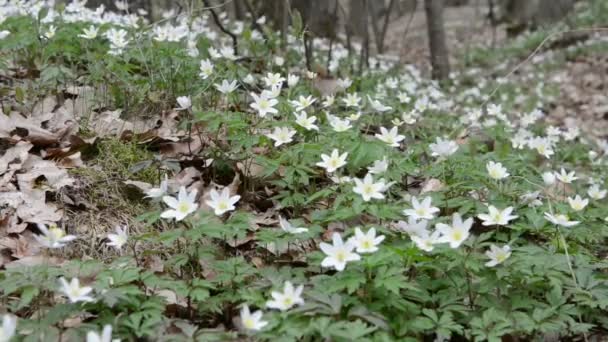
413	31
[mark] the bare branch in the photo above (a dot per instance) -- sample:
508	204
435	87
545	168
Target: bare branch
218	22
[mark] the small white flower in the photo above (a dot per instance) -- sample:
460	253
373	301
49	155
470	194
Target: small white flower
548	178
378	106
249	79
292	80
329	101
422	104
334	161
577	203
595	192
222	202
443	148
273	92
281	135
496	216
184	102
426	242
311	75
408	118
160	191
50	33
414	227
261	20
339	125
89	33
366	242
191	49
181	206
263	104
287	299
252	321
228	53
404	97
272	80
421	210
532	199
226	87
456	233
391	138
341	180
105	336
308	122
496	170
53	237
560	220
352	100
289	228
74	292
119	239
339	253
303	102
8	328
379	166
566	177
344	83
543	146
368	189
497	255
279	61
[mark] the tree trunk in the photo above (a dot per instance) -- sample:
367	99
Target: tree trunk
436	32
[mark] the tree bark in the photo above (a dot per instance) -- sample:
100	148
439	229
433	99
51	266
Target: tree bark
437	44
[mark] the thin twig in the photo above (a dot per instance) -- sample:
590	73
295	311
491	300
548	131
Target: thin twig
535	52
158	22
385	26
409	23
254	18
219	24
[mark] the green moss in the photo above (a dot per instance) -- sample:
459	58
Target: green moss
115	159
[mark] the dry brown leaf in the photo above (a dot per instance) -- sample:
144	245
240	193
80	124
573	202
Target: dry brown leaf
187	176
34	208
22	246
14	157
44	106
35	260
171	297
142	186
187	147
9	222
154	263
55	177
250	168
109	123
71	161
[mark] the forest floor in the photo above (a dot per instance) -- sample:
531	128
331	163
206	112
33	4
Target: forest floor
581	73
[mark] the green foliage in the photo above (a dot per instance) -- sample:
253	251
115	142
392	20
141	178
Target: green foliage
211	265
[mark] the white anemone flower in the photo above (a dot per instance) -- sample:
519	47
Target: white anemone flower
53	236
287	299
366	242
339	253
252	321
333	162
181	206
222	202
497	255
75	292
421	210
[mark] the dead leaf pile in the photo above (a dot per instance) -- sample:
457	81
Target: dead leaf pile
36	150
